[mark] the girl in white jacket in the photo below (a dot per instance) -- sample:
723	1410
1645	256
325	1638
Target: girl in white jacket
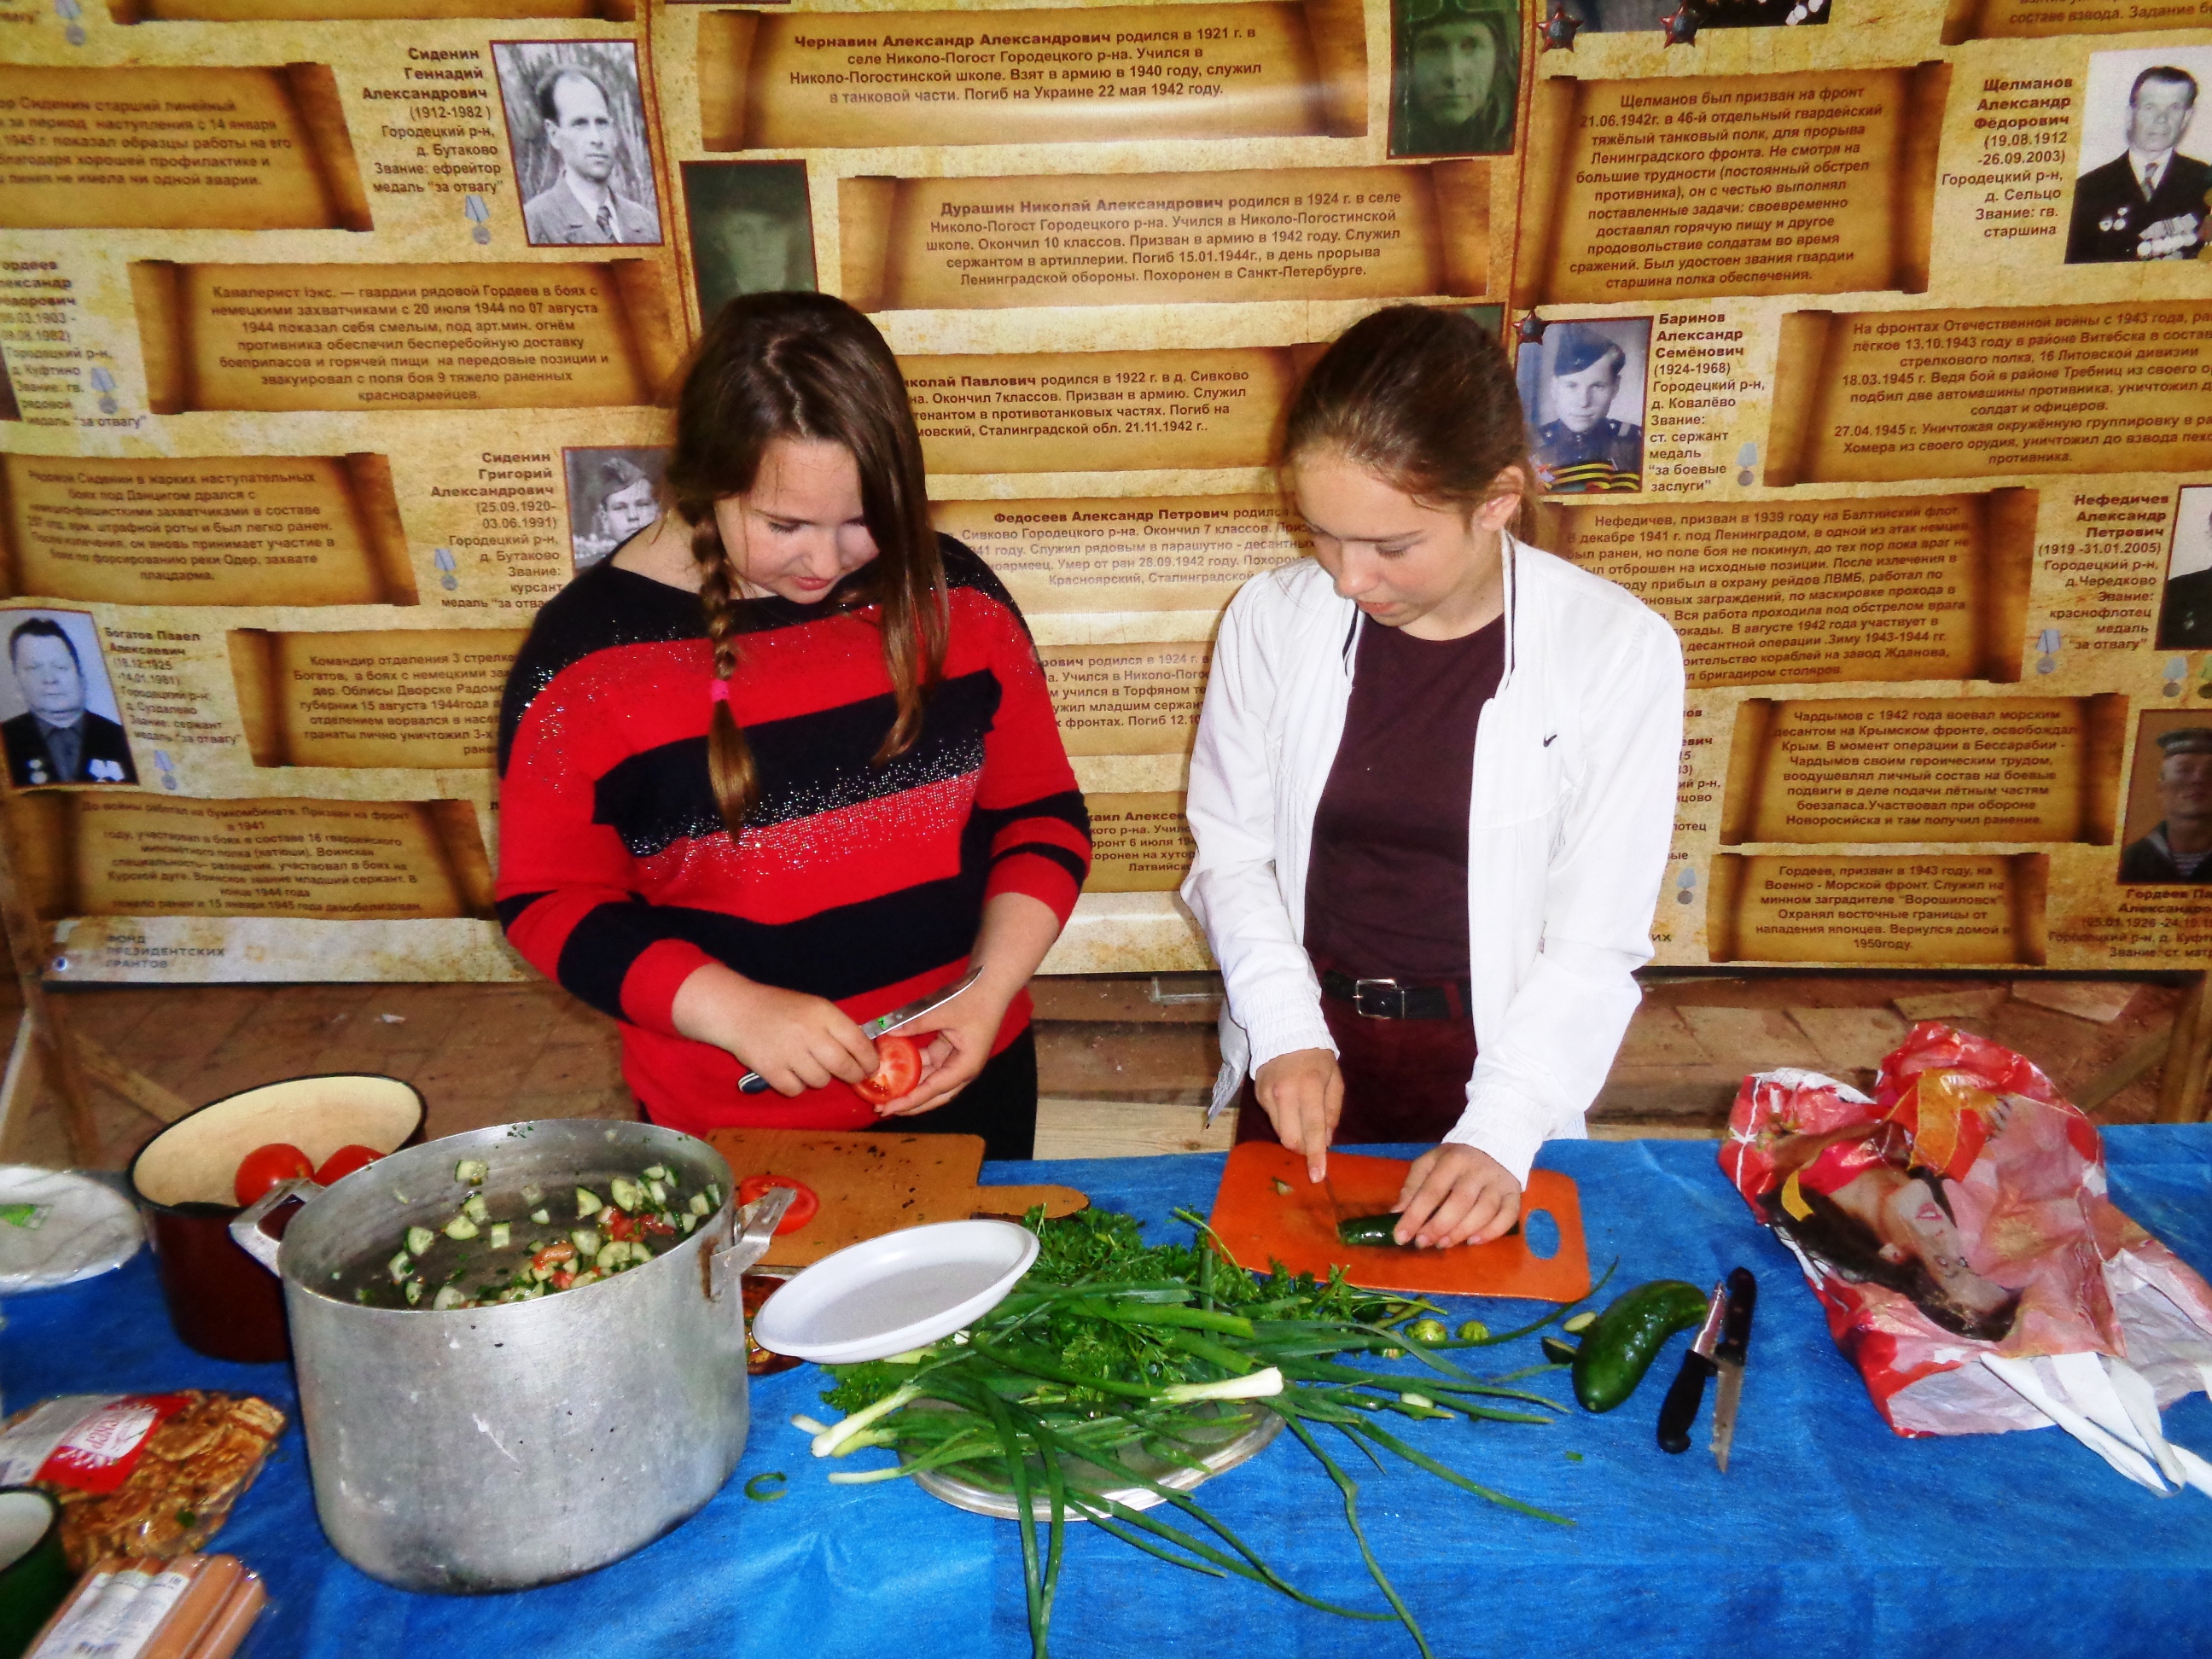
1432	791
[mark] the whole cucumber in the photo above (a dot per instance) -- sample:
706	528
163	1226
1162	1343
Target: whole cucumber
1369	1229
1620	1348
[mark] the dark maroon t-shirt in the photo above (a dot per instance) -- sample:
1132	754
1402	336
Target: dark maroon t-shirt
1385	889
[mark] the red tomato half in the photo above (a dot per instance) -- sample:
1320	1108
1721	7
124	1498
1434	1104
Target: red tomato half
898	1068
266	1166
343	1162
803	1204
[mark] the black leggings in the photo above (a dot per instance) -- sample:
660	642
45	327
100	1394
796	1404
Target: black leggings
1000	1105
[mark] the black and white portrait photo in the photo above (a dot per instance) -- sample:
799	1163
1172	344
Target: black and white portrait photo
576	126
1455	76
1583	387
2166	835
612	495
2185	612
58	714
2141	172
752	230
1626	16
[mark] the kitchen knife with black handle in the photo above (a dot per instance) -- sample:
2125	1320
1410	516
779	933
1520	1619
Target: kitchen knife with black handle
752	1083
1680	1409
1728	1357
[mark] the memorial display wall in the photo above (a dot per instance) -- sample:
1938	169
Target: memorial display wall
1850	340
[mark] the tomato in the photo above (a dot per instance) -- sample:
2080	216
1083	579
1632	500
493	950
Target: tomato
898	1068
619	1224
804	1205
343	1162
268	1166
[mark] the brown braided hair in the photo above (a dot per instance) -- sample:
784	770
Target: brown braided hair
1422	397
809	368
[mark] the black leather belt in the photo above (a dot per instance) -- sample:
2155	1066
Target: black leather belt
1390	999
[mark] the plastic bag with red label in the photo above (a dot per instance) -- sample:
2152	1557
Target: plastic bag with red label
1956	1230
142	1476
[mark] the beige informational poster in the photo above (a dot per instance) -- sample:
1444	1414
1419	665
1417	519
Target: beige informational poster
1870	343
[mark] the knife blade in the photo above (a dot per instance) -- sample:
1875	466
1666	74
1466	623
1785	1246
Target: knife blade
1729	1355
752	1083
1680	1409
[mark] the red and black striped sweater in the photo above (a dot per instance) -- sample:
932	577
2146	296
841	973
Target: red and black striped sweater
865	884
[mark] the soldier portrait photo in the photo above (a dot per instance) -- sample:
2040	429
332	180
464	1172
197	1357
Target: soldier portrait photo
1455	76
2140	192
1582	386
2169	820
2184	613
751	229
58	714
612	495
577	126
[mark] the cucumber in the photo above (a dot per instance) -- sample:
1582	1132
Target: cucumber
1617	1351
1370	1229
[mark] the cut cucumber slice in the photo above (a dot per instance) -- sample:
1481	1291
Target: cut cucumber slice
587	1203
460	1227
419	1239
473	1171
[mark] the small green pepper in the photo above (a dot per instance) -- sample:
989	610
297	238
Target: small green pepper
1371	1229
1428	1332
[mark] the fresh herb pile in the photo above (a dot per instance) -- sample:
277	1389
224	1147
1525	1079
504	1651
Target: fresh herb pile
1109	1348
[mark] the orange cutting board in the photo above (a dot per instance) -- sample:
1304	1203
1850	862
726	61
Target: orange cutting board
1260	1222
873	1183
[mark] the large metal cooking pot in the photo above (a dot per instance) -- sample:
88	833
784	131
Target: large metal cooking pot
496	1448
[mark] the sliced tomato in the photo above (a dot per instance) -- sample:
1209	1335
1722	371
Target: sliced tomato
269	1166
898	1068
805	1204
654	1225
343	1162
618	1223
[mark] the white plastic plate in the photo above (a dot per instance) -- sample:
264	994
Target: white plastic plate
57	1227
903	1290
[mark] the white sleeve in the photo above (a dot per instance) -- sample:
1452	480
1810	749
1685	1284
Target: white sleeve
1233	888
1536	1077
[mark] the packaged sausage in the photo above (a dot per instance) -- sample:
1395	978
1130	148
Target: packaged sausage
196	1606
139	1476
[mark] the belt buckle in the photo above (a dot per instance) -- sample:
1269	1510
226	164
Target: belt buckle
1387	999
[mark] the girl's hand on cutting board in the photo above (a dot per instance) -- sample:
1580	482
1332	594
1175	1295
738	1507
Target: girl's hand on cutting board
1303	1094
1455	1195
795	1041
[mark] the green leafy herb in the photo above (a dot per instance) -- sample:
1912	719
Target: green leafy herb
1112	1350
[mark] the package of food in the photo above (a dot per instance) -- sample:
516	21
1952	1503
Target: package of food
1956	1230
195	1607
143	1476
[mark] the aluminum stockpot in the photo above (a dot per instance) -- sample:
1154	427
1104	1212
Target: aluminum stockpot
219	1301
497	1448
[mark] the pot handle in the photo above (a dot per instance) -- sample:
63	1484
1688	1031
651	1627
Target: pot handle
754	1225
246	1225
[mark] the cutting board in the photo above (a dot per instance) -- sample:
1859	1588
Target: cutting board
874	1183
1260	1222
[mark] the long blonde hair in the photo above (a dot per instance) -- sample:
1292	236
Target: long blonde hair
808	367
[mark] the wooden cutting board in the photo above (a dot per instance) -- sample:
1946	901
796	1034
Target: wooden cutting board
874	1183
1259	1223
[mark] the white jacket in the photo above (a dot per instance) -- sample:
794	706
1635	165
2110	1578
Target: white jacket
1571	813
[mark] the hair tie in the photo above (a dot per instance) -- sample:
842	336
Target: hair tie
719	691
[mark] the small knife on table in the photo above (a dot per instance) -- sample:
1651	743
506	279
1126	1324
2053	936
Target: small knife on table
1719	1350
1734	1347
752	1083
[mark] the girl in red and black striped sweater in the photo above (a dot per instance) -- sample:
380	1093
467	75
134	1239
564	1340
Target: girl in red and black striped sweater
787	761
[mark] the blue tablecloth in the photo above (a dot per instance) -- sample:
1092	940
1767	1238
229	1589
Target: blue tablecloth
1829	1534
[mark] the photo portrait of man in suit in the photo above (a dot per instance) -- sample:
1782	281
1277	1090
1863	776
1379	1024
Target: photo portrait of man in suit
57	740
2185	612
581	205
2147	202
